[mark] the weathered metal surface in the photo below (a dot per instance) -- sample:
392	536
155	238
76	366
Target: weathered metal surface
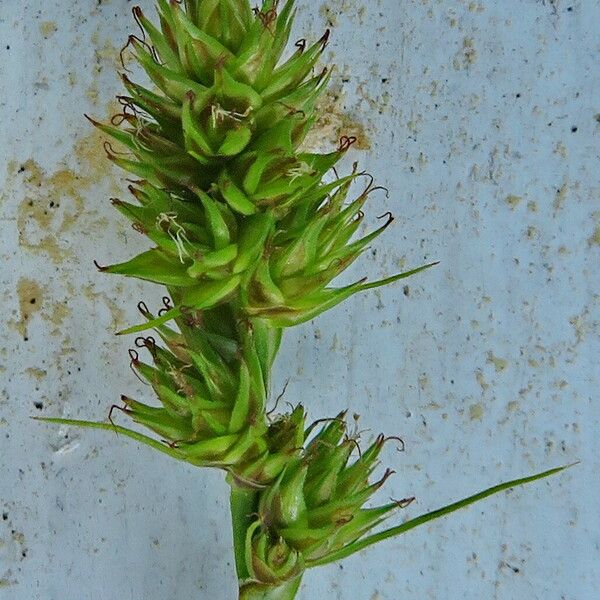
482	119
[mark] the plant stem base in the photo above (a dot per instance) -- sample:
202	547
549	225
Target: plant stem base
256	591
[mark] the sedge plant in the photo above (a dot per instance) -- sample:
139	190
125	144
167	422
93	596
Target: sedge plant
248	232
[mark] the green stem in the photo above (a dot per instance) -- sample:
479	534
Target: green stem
257	591
243	504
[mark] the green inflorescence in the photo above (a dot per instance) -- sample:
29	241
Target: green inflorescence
248	231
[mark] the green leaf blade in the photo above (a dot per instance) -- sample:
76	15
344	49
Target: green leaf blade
433	515
138	437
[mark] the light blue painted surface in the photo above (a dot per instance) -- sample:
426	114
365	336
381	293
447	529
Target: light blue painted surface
478	106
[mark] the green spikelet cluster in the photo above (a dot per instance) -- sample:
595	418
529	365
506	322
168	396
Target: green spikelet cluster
248	231
315	507
237	212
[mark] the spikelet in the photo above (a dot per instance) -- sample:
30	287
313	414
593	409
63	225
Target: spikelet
237	212
315	508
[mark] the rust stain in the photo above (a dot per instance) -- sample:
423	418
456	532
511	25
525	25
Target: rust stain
48	29
561	195
36	373
116	312
333	123
53	203
513	201
500	364
481	380
466	56
332	10
475	412
30	296
58	313
594	239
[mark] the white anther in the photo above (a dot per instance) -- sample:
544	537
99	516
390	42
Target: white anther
218	114
299	170
175	231
177	375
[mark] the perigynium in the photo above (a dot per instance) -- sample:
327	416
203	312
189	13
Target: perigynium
248	231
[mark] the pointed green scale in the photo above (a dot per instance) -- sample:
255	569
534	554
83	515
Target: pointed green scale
252	238
339	230
154	265
206	51
288	431
164	360
329	435
264	468
207	16
234	19
258	389
307	539
299	104
137	168
123	137
302	252
341	510
312	280
212	260
321	163
216	221
320	487
241	407
249	443
209	423
161	381
267	341
363	521
359	245
271	561
164	202
174	341
159	420
172	83
236	139
235	197
173	402
283	503
234	94
166	54
272	192
197	142
254	171
292	73
357	475
289	505
261	50
209	450
211	293
216	375
264	291
281	36
214	423
312	198
163	110
167	22
145	221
